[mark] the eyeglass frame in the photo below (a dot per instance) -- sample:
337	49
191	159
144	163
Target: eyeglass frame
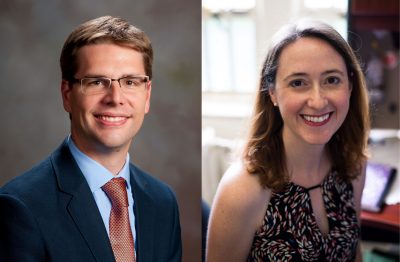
146	79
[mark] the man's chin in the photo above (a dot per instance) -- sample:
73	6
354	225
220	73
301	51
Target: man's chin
113	144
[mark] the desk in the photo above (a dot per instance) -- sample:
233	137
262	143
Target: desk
383	226
388	219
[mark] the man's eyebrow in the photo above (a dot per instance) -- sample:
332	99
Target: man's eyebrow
95	76
104	76
131	75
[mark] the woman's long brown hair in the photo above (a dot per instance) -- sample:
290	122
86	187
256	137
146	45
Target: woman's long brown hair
264	153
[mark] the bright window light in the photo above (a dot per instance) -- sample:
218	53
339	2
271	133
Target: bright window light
228	5
323	4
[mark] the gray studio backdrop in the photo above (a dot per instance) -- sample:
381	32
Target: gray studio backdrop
33	122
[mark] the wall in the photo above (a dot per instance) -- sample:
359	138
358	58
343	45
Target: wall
33	120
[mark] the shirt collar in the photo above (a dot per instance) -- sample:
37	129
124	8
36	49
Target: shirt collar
95	174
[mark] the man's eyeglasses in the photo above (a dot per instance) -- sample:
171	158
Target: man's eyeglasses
100	85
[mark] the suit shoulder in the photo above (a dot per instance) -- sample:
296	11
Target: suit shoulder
31	181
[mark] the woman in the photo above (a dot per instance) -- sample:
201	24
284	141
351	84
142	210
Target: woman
296	193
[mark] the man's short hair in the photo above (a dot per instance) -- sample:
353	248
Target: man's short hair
105	29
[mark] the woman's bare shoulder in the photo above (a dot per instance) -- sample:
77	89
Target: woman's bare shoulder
237	212
240	179
242	192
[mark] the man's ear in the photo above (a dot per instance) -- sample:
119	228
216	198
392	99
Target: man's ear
66	95
148	95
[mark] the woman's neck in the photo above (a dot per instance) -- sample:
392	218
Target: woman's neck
306	164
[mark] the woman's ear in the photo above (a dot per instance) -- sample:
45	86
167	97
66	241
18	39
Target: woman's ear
351	78
272	95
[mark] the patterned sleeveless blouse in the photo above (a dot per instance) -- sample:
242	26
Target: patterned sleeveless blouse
290	231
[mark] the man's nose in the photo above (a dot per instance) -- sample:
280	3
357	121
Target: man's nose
115	94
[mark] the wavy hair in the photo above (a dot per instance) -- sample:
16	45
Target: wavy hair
264	153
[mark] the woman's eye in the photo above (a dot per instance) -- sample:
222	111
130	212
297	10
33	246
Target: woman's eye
296	83
333	80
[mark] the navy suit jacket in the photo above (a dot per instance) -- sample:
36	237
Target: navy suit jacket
49	214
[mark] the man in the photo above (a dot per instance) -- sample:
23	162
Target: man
86	202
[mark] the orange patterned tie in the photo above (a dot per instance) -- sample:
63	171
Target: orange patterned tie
120	230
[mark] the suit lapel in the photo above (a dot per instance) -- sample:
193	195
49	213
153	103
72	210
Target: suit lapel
82	206
144	216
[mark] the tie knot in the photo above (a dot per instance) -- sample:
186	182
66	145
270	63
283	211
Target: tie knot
115	189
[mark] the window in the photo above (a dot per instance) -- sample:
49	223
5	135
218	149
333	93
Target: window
229	44
235	32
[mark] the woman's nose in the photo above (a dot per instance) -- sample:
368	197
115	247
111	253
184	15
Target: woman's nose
317	99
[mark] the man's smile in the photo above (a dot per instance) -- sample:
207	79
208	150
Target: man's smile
111	119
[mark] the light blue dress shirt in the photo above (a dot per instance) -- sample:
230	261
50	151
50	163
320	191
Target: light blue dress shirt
97	175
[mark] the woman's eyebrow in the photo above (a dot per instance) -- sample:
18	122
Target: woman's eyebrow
337	71
327	72
296	74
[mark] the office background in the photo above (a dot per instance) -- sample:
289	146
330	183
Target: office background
230	75
34	122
